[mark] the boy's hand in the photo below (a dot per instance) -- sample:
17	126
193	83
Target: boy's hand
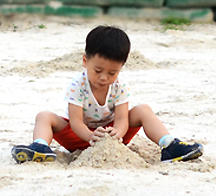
114	134
96	135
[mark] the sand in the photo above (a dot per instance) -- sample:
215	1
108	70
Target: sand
173	71
108	154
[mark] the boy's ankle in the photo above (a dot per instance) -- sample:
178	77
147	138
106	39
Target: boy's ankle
165	141
41	141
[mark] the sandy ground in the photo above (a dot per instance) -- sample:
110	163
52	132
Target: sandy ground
173	71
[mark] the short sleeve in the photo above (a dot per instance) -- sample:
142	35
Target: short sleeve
74	94
122	94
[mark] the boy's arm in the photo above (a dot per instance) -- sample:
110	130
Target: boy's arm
78	126
120	121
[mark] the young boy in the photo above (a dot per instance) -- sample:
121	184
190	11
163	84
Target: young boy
98	104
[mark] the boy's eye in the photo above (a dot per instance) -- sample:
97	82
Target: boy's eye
97	71
112	74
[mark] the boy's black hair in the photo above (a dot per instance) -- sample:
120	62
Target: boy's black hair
108	42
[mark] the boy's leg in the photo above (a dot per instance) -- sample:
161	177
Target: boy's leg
172	149
46	123
142	115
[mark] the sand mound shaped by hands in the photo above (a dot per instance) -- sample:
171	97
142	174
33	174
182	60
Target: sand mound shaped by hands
108	154
73	62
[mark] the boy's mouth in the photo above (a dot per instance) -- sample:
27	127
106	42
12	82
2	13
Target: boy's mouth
100	84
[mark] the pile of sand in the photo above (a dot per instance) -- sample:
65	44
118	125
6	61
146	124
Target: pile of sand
137	61
73	62
140	153
67	62
108	154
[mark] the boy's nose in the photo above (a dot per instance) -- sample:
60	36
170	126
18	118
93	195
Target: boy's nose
103	77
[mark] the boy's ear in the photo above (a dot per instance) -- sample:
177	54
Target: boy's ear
84	61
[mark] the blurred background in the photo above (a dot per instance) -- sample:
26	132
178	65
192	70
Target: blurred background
193	10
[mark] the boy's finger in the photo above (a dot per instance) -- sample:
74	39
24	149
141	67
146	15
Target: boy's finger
95	138
120	140
101	129
91	143
112	133
109	129
98	133
115	137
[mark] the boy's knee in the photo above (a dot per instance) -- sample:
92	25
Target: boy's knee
144	107
43	115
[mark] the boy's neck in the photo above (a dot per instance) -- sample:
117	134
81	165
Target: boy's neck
100	94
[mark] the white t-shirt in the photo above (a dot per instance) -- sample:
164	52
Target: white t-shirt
79	93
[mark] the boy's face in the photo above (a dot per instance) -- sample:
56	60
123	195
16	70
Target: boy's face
101	72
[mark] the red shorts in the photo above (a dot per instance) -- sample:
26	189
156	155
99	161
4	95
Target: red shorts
69	140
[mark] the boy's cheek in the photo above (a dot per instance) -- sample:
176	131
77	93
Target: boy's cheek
113	79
